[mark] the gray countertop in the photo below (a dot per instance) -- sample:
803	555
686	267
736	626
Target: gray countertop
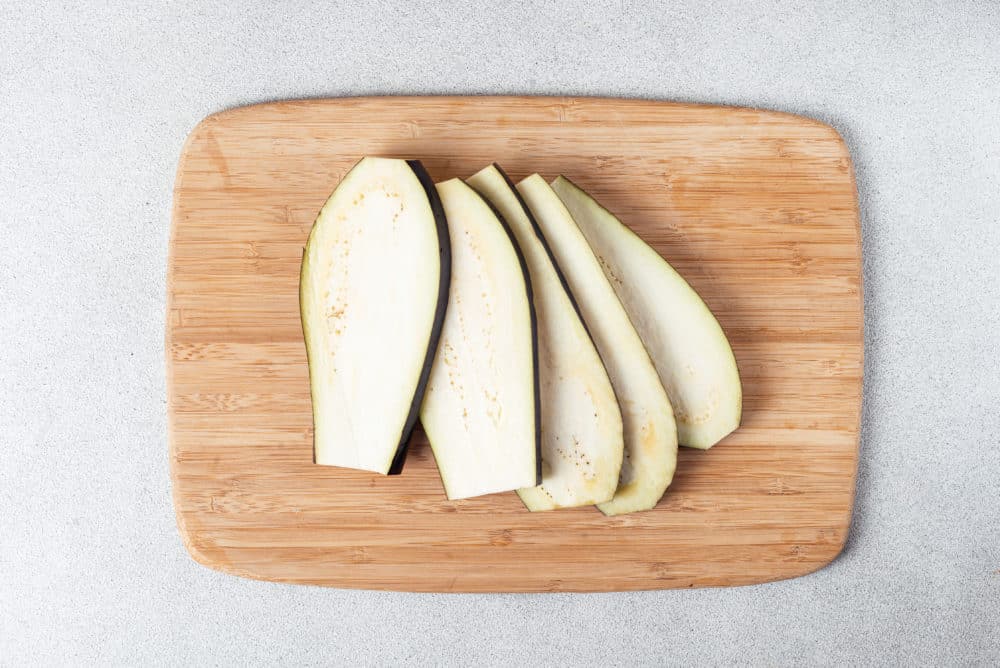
95	102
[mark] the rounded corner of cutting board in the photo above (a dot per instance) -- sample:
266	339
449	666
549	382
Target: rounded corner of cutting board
243	205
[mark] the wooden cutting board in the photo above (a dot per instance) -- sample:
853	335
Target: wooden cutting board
756	209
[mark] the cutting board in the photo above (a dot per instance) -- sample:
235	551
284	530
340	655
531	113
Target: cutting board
756	209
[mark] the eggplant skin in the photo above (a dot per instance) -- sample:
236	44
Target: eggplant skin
545	244
534	330
444	251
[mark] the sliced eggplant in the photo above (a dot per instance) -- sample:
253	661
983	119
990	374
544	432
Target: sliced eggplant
648	421
372	294
581	425
689	349
480	411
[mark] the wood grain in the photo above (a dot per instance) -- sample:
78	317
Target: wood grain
756	209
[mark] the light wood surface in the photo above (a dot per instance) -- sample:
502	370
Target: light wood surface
756	209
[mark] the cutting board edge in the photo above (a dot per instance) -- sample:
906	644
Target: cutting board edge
204	559
232	113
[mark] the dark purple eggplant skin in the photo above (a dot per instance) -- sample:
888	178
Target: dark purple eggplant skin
534	326
444	283
545	245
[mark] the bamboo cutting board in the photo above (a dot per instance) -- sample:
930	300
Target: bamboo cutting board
756	209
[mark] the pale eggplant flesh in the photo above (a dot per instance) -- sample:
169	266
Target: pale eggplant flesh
688	347
650	433
581	424
373	293
480	411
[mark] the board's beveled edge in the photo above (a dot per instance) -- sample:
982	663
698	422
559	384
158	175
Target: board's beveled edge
838	138
551	586
168	340
209	557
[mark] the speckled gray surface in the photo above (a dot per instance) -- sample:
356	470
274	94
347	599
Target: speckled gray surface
95	102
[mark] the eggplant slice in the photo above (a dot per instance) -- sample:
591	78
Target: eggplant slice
689	349
581	425
648	421
372	294
480	411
